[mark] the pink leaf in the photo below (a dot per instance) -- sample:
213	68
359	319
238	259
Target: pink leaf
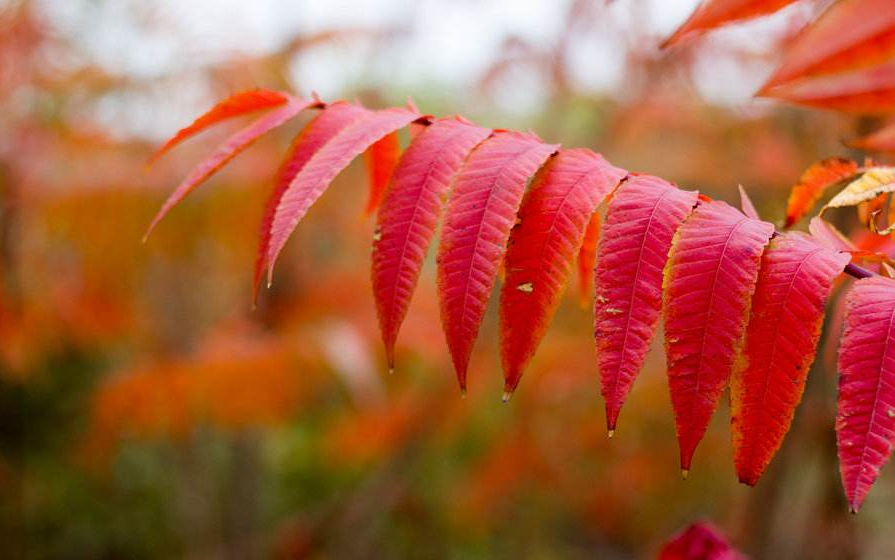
865	423
335	117
477	223
641	220
323	167
794	281
409	213
709	282
542	249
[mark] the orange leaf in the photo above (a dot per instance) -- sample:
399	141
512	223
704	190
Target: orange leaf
587	259
236	105
812	184
381	159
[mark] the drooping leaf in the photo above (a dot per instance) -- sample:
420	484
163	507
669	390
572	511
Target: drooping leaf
478	218
865	422
641	221
322	168
850	34
322	128
381	159
794	281
587	259
872	183
864	91
812	184
236	105
709	281
746	204
883	140
716	13
542	247
826	234
406	222
227	151
699	541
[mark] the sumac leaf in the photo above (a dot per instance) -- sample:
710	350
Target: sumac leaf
322	168
227	151
715	13
865	422
478	218
865	91
812	184
794	281
408	216
542	248
322	128
641	220
710	278
850	34
236	105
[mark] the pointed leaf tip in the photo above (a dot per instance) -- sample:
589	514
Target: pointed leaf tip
709	282
483	204
235	105
641	220
409	215
795	278
865	420
551	226
232	147
316	176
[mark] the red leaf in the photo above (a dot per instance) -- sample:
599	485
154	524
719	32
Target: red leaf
542	248
409	213
794	281
236	105
477	223
699	541
812	184
641	220
715	13
883	140
851	34
227	151
335	117
587	259
381	159
321	169
866	91
710	277
865	423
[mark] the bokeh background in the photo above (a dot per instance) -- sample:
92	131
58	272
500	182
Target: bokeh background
146	411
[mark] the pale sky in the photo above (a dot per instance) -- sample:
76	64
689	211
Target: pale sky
448	45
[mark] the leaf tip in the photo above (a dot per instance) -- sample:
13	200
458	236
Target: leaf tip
507	395
610	433
685	473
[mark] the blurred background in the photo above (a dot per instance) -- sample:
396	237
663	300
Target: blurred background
146	411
